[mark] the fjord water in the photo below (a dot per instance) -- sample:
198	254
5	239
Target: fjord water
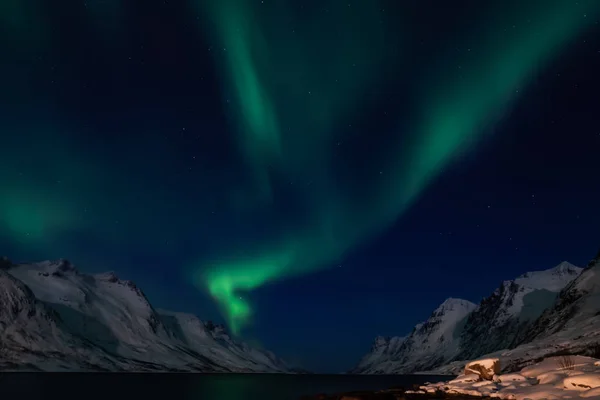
112	386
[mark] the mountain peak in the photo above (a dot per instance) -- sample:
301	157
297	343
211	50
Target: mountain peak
109	276
452	308
56	267
453	303
576	308
381	341
565	267
553	279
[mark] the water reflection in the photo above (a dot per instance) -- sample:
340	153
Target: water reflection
25	386
231	387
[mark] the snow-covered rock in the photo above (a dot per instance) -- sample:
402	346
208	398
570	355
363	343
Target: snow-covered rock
562	364
582	382
510	378
531	382
485	368
431	343
466	378
51	310
590	393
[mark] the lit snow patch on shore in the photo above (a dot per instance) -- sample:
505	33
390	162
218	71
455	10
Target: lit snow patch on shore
553	378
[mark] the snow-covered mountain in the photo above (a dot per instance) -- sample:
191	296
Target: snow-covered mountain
570	326
52	317
504	320
430	344
383	351
576	312
501	320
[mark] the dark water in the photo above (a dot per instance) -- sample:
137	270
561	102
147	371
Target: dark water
26	386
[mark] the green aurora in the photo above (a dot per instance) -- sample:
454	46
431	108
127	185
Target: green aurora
273	63
293	77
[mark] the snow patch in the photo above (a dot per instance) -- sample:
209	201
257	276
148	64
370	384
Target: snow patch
544	380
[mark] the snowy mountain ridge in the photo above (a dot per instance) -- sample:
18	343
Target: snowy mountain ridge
570	326
500	321
575	311
52	318
552	279
430	341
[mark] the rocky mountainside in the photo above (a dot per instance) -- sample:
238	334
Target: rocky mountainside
501	320
383	351
52	318
506	319
576	311
431	343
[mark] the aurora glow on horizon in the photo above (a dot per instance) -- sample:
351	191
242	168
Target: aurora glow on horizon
268	66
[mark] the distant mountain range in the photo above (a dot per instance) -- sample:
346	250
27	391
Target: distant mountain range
537	314
54	318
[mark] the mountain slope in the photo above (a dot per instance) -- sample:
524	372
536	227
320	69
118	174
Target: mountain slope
431	343
112	320
501	320
504	320
570	326
213	342
33	336
383	351
576	311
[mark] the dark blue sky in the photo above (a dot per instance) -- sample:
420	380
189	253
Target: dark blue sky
134	117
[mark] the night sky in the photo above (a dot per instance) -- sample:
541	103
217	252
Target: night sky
311	173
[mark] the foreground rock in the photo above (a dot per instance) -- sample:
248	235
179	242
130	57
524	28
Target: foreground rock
564	377
484	369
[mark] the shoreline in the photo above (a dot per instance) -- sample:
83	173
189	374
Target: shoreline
395	393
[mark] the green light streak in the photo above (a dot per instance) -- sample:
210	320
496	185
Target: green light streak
456	110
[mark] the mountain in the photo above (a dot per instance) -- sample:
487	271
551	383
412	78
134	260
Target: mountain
504	320
571	325
576	312
52	317
501	320
30	328
383	351
431	343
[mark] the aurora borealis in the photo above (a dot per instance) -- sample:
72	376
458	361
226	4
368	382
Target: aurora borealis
253	160
453	112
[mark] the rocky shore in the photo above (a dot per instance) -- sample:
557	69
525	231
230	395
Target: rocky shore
564	377
392	394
